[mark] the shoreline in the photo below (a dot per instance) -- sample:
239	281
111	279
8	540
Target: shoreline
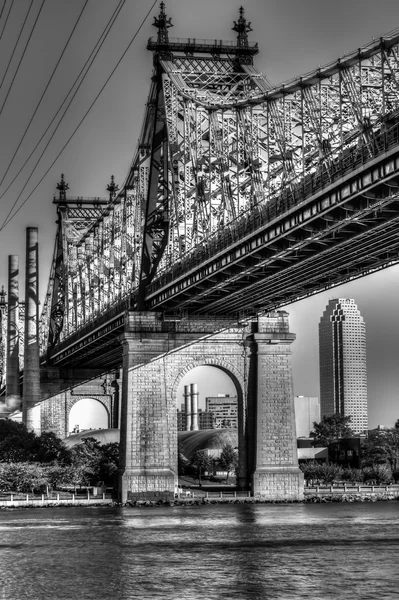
202	501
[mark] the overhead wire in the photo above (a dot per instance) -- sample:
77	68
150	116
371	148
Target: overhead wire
84	70
8	220
2	8
42	96
22	56
16	43
6	19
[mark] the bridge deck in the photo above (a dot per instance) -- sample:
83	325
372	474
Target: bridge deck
336	225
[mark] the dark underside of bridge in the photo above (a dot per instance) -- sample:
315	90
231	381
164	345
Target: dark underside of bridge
331	229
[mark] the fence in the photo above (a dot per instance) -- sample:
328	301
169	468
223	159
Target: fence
324	490
55	499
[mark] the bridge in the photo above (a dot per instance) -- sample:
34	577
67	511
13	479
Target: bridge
241	197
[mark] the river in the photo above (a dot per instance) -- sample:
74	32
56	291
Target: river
260	551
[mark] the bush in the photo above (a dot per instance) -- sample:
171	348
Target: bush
22	477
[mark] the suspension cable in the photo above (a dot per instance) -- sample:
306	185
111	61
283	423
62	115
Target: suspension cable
22	57
87	64
2	8
6	19
42	96
16	43
8	220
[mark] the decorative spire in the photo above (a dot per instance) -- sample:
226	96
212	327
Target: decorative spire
163	24
242	27
112	188
62	187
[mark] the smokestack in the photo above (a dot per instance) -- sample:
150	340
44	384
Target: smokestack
194	406
31	387
13	395
187	406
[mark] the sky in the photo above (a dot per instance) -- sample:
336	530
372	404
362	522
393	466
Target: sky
294	36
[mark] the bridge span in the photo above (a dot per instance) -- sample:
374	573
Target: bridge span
241	198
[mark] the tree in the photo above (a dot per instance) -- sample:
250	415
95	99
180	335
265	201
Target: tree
50	448
17	444
109	462
228	460
22	477
331	429
382	447
397	424
86	460
202	461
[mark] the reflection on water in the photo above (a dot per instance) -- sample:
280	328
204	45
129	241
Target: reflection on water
315	551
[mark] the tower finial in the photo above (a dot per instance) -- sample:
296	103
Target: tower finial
112	188
242	27
62	187
3	294
163	24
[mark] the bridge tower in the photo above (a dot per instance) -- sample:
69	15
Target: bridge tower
155	349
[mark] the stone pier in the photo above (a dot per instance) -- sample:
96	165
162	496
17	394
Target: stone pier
276	474
256	355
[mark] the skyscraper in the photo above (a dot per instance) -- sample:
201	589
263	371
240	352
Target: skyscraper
343	374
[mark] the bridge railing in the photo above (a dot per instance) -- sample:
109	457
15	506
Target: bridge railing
294	194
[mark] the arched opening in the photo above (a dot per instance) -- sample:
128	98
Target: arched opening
219	419
86	414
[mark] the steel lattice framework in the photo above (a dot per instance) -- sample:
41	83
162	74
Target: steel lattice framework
218	143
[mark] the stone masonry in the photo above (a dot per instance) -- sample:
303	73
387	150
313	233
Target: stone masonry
255	355
276	475
55	411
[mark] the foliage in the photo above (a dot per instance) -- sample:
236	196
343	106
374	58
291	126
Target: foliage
93	462
377	474
109	461
228	460
352	475
183	464
22	477
57	475
50	448
16	442
323	473
316	473
382	447
202	461
44	461
331	429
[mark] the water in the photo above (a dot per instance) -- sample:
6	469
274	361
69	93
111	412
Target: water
287	552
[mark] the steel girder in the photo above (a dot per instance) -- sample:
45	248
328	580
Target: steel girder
217	144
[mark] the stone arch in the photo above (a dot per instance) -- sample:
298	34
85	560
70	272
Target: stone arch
218	363
73	400
238	378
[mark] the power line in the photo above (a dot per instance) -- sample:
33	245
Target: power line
6	19
88	62
16	43
23	54
84	117
2	8
42	96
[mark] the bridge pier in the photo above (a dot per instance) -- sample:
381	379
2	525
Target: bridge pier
276	473
157	354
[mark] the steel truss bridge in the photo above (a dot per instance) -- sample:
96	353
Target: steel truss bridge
241	196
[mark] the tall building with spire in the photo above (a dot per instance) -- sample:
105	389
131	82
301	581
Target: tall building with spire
343	371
